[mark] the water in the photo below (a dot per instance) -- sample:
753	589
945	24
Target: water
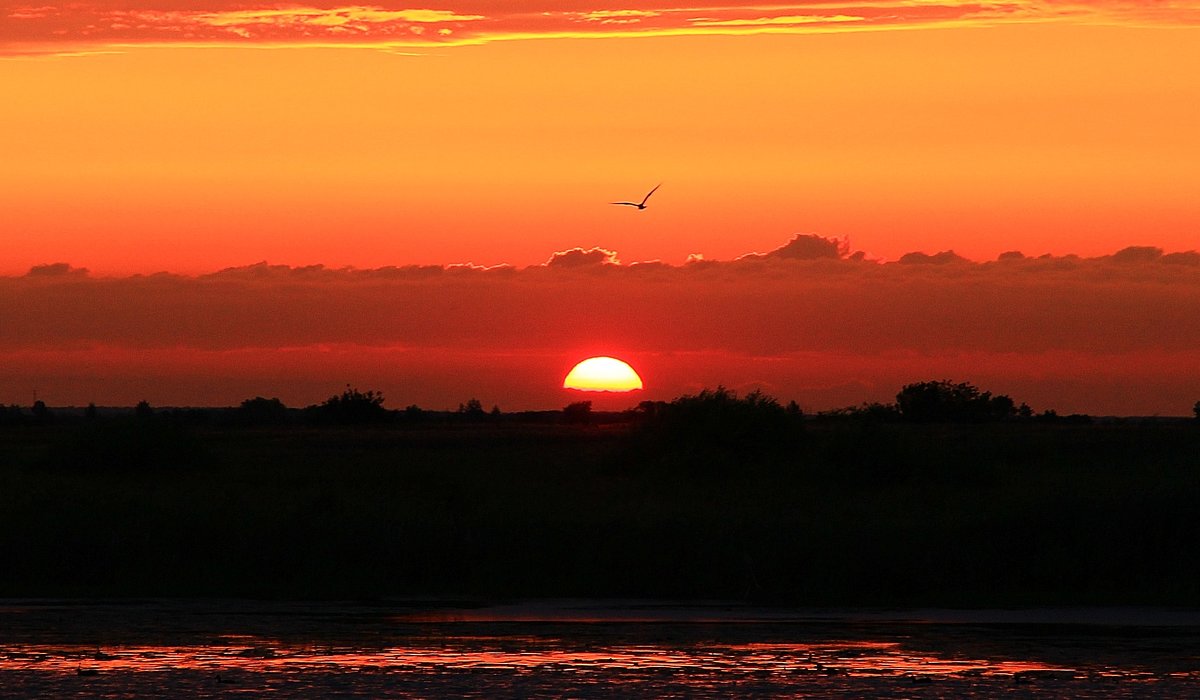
588	649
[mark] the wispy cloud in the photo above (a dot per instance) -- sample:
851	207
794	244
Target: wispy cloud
617	16
780	20
87	24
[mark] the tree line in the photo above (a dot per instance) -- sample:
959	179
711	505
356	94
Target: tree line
939	401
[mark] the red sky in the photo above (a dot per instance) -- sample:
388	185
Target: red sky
1114	334
189	137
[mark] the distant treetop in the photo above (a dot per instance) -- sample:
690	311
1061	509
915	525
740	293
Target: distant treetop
946	401
351	406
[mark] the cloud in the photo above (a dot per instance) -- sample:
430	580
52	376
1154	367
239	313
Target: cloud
778	20
91	25
1190	257
803	247
56	270
811	247
945	257
578	257
797	316
617	16
807	295
336	17
1137	254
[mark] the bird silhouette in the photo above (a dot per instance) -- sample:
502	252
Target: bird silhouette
641	204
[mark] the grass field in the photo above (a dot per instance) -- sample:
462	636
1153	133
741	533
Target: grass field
837	512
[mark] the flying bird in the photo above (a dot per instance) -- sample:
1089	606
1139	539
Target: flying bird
641	204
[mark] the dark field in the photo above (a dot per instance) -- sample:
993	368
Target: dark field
818	513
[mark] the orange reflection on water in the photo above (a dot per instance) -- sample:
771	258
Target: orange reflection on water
541	654
871	658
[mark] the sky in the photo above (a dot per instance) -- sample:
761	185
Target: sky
205	201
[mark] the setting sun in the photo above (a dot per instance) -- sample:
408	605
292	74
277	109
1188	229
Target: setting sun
602	374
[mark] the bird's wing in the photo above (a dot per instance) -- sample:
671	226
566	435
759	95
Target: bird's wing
628	204
650	193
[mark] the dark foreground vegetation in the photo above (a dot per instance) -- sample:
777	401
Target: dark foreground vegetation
711	496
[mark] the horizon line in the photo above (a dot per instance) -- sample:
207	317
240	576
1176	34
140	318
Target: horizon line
798	249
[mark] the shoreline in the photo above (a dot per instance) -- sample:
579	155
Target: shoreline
616	611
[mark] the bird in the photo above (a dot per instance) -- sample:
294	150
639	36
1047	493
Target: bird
642	204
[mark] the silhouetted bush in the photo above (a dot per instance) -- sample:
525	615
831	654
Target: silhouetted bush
867	412
945	401
351	407
579	412
471	410
143	410
716	426
260	411
1051	416
40	413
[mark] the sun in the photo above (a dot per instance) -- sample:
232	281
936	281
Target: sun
602	374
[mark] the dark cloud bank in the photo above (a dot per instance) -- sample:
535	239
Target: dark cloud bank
1132	318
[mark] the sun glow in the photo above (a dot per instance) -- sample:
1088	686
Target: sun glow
602	374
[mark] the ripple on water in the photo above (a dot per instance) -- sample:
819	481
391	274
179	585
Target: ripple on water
383	657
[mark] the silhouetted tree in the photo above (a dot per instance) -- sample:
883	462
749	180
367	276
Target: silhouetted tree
351	407
472	409
649	409
878	412
874	412
793	409
1196	410
578	412
143	410
495	412
90	412
41	414
717	427
1001	406
946	401
261	411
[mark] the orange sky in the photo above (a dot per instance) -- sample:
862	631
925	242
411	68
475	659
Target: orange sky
1072	135
189	136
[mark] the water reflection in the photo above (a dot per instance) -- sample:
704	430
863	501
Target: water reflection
264	656
380	655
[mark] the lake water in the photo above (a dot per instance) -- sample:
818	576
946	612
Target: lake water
588	649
